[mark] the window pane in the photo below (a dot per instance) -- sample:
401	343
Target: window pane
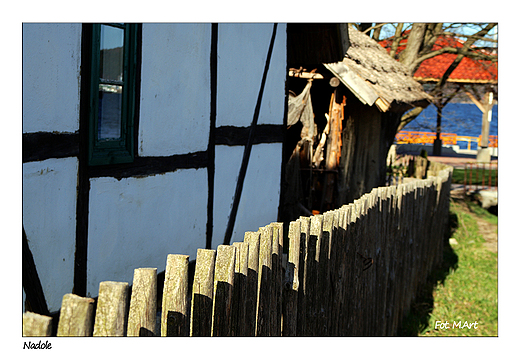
111	45
109	116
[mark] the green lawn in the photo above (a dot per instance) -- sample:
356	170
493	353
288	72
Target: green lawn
475	176
464	291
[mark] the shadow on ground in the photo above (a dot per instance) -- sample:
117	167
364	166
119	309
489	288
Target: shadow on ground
417	319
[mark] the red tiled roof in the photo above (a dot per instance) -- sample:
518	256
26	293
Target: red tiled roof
469	70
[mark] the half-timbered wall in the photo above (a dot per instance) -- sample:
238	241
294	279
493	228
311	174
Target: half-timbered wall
198	88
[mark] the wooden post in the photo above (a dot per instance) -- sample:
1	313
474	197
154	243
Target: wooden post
76	316
276	289
111	312
263	310
238	304
312	261
36	325
324	257
253	240
223	291
143	304
305	226
174	315
202	298
338	254
291	282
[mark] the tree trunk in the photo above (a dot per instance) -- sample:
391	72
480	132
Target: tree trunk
415	40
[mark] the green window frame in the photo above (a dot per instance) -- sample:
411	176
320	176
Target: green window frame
112	93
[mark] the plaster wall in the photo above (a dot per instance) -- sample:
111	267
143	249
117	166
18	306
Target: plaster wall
136	222
261	191
242	51
51	57
49	220
175	89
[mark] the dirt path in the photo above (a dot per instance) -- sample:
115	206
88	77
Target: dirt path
488	230
489	233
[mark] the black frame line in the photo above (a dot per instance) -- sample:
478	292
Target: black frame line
212	130
83	193
247	149
264	134
31	283
40	146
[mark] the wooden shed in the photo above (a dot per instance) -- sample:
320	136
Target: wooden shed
339	152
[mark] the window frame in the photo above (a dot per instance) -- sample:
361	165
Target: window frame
121	150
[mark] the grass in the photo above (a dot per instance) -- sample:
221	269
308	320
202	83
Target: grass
465	287
476	176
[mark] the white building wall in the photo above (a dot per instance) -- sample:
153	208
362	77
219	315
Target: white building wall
242	51
175	89
260	194
242	54
51	77
137	222
49	220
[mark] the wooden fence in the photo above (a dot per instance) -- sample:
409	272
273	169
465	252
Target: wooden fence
352	271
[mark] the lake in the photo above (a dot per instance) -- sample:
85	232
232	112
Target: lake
463	119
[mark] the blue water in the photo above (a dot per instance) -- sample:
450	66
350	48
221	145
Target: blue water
463	119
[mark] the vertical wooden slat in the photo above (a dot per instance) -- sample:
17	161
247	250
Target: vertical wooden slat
305	226
383	259
142	316
202	294
36	325
276	289
174	315
76	316
340	283
324	274
312	288
111	312
263	310
253	240
291	282
238	304
223	291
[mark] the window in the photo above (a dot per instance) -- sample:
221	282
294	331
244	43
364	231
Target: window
112	93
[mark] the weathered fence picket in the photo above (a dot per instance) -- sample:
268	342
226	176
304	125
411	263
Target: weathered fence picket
276	289
174	314
239	299
111	312
253	240
223	291
76	316
291	282
353	271
305	262
36	325
143	304
265	263
202	294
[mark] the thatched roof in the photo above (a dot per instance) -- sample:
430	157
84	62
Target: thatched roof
374	77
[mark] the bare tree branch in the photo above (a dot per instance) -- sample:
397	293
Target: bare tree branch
377	26
408	117
377	31
459	57
458	51
409	54
397	39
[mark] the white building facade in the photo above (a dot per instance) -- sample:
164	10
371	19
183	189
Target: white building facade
178	101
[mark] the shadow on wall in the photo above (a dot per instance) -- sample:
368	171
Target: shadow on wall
417	319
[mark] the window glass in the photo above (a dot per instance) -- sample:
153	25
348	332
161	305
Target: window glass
109	116
112	54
